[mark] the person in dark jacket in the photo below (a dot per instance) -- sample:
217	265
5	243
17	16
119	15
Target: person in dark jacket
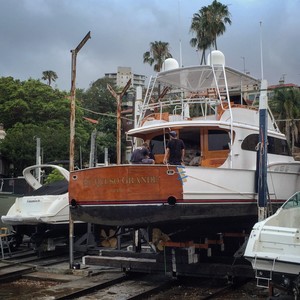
141	155
175	150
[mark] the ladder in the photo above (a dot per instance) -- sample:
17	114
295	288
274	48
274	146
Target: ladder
263	277
147	99
4	244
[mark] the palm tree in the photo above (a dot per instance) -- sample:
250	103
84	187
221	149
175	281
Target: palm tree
218	16
49	76
159	51
285	103
208	24
203	39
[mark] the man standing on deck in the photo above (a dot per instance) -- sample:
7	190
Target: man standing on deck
175	150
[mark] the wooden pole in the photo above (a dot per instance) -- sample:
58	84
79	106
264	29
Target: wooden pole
73	97
72	136
118	97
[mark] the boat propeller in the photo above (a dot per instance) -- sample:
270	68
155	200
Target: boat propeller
108	240
158	238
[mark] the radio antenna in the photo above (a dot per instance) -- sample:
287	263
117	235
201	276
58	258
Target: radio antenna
179	32
261	53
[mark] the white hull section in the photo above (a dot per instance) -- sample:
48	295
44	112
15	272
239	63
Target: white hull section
236	184
274	244
277	265
29	210
48	204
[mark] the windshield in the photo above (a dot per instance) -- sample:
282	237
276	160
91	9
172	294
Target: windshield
293	202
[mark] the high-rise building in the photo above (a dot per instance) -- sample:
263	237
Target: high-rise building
123	75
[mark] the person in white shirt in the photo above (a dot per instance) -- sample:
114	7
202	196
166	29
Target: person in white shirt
196	160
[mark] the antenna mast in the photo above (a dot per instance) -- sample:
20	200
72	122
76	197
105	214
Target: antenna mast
261	53
179	32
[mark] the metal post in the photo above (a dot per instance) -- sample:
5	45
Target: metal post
72	136
38	158
262	152
118	129
106	156
92	151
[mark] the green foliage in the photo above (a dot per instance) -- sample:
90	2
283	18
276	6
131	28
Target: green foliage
19	145
49	76
285	107
209	23
106	138
55	175
30	102
98	103
158	53
97	98
32	109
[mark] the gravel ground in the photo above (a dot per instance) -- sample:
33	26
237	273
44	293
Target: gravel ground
192	291
183	289
16	289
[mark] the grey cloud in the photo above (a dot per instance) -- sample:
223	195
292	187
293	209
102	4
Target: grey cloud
37	35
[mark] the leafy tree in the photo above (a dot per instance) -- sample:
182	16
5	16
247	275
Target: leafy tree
49	76
97	98
98	103
106	138
30	102
209	23
158	53
55	175
32	109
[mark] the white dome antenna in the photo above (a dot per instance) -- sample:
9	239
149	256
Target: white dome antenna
216	57
169	64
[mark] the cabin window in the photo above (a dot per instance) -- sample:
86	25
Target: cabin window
278	146
190	137
218	140
275	145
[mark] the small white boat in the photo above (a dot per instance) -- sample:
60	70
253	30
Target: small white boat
273	247
48	203
45	211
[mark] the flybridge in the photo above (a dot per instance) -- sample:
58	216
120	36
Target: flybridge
176	88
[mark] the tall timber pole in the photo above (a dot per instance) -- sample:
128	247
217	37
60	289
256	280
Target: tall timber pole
118	97
72	134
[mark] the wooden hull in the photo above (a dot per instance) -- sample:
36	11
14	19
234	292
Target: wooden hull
143	195
124	185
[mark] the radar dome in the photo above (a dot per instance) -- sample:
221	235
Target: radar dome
170	64
216	57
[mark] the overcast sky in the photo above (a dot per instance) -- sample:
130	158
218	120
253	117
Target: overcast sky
37	35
